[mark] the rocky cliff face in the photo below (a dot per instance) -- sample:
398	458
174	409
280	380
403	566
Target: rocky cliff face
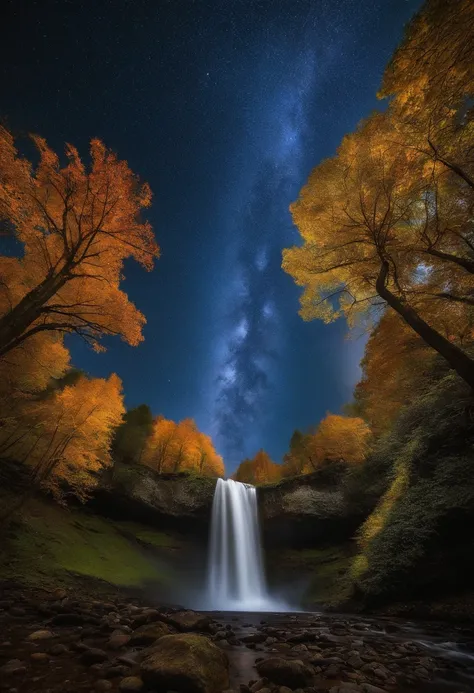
181	501
305	511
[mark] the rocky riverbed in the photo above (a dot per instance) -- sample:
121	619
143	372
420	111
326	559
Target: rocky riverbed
58	641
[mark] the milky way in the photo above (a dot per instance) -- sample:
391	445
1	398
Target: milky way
223	106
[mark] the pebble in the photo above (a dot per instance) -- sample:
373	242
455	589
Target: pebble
39	657
130	684
40	635
93	656
58	649
13	666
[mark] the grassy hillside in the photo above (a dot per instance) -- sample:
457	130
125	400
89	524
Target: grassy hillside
49	545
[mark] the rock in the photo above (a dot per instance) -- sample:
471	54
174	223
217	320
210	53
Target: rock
40	635
421	672
14	666
131	684
355	661
254	637
39	657
186	662
67	620
300	648
17	611
187	621
103	685
146	616
116	671
368	688
93	656
292	673
147	634
284	689
58	649
333	671
120	640
259	685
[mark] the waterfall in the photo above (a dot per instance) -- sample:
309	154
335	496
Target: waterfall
236	578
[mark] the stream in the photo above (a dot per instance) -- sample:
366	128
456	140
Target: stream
403	649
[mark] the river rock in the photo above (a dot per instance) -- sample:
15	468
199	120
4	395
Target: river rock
93	656
68	620
254	638
40	635
131	684
119	640
188	620
186	662
147	634
292	673
58	649
13	666
39	657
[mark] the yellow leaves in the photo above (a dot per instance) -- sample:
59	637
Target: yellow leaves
78	225
342	438
258	470
174	447
64	436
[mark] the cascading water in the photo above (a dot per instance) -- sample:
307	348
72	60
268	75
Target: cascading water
236	579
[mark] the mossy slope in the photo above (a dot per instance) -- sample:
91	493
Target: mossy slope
48	545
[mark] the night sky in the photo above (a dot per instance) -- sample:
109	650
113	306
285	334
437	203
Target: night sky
223	107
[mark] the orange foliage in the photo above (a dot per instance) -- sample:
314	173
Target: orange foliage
336	439
77	225
65	437
396	360
258	470
174	447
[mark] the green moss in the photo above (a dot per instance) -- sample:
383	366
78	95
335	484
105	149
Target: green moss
148	536
50	544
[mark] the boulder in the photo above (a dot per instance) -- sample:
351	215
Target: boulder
147	634
186	663
292	673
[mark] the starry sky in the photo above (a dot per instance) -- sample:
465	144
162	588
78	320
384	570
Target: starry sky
223	106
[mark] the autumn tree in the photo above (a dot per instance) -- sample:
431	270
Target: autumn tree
208	461
340	439
130	437
77	224
395	366
64	439
158	453
370	218
174	447
258	470
430	84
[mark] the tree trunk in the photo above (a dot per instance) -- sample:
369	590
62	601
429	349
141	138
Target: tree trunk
24	314
457	359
